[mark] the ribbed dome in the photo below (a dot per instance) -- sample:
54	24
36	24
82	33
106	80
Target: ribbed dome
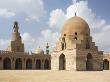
75	24
39	51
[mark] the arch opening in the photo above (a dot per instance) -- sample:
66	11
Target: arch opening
105	64
7	63
46	64
18	63
62	62
38	64
89	62
29	64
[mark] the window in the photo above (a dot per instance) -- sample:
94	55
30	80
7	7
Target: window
64	34
75	38
75	33
65	45
62	46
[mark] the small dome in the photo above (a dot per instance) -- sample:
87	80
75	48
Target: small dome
75	24
39	51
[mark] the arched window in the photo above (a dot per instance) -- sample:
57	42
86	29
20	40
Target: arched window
46	64
38	64
7	63
75	38
62	62
64	34
75	33
18	63
29	64
89	62
63	43
105	64
63	46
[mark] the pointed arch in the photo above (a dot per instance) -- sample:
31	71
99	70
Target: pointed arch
28	64
105	64
89	62
46	64
38	64
7	63
62	62
18	63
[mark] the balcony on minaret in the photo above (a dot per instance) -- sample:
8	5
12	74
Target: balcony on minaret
15	26
16	35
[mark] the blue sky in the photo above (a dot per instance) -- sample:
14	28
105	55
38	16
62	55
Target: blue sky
40	21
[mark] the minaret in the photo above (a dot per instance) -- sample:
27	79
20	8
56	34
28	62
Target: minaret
16	35
47	49
16	44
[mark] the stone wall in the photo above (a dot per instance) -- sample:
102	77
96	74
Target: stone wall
13	56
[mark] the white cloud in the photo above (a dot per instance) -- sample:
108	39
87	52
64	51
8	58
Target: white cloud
27	38
29	41
57	18
74	1
102	38
32	8
6	14
99	27
47	36
82	10
4	43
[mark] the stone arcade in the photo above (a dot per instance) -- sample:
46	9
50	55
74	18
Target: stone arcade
15	58
75	50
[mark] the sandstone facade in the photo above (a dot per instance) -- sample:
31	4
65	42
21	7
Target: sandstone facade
75	51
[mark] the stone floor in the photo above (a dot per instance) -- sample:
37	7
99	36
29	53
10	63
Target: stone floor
53	76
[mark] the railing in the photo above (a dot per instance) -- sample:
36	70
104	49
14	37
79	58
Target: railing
2	52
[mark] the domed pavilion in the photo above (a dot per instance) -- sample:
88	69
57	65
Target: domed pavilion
75	49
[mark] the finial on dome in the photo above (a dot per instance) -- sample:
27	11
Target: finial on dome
75	13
